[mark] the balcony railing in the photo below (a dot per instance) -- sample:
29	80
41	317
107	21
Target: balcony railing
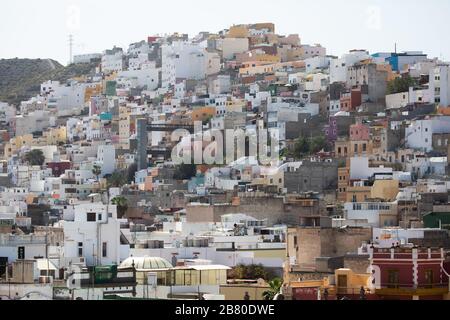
410	289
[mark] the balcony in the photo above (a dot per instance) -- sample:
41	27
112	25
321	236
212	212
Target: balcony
434	289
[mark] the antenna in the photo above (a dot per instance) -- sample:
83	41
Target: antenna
71	48
396	47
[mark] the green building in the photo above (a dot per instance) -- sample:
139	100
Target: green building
437	220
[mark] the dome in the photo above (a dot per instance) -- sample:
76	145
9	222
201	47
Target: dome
146	263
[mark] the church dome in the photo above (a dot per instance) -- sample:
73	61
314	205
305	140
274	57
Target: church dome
146	263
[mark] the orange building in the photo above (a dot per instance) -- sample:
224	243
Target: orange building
203	113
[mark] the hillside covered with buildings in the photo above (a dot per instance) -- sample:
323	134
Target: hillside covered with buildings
233	165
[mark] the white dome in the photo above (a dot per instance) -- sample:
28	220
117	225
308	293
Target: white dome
146	263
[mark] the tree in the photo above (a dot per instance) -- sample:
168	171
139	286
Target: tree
122	205
305	147
318	144
401	84
275	288
249	272
35	157
117	180
301	147
96	171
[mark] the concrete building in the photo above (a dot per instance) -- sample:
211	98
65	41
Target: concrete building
113	60
92	231
86	58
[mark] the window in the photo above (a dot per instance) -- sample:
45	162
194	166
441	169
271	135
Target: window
104	249
80	252
21	253
91	216
393	279
429	278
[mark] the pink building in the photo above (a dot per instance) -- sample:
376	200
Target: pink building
359	132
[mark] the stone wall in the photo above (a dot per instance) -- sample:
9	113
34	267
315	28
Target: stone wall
357	263
310	176
314	243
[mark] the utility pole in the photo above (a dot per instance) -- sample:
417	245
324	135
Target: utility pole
71	48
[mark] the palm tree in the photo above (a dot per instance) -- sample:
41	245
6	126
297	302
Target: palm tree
122	205
117	180
96	171
275	288
35	157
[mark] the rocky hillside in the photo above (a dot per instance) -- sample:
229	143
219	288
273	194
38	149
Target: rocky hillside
20	79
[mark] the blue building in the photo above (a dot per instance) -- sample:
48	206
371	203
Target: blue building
398	61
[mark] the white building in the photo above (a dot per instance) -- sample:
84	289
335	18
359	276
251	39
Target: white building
423	166
38	120
339	67
191	60
113	60
66	99
360	170
86	58
94	233
313	51
147	75
440	84
318	62
376	214
419	135
106	157
220	85
168	76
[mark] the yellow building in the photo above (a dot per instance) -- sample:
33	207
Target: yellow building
275	178
344	282
93	91
54	136
358	193
16	143
240	31
235	106
385	189
350	283
238	290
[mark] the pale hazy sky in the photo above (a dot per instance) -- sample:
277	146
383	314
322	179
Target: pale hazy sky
40	29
